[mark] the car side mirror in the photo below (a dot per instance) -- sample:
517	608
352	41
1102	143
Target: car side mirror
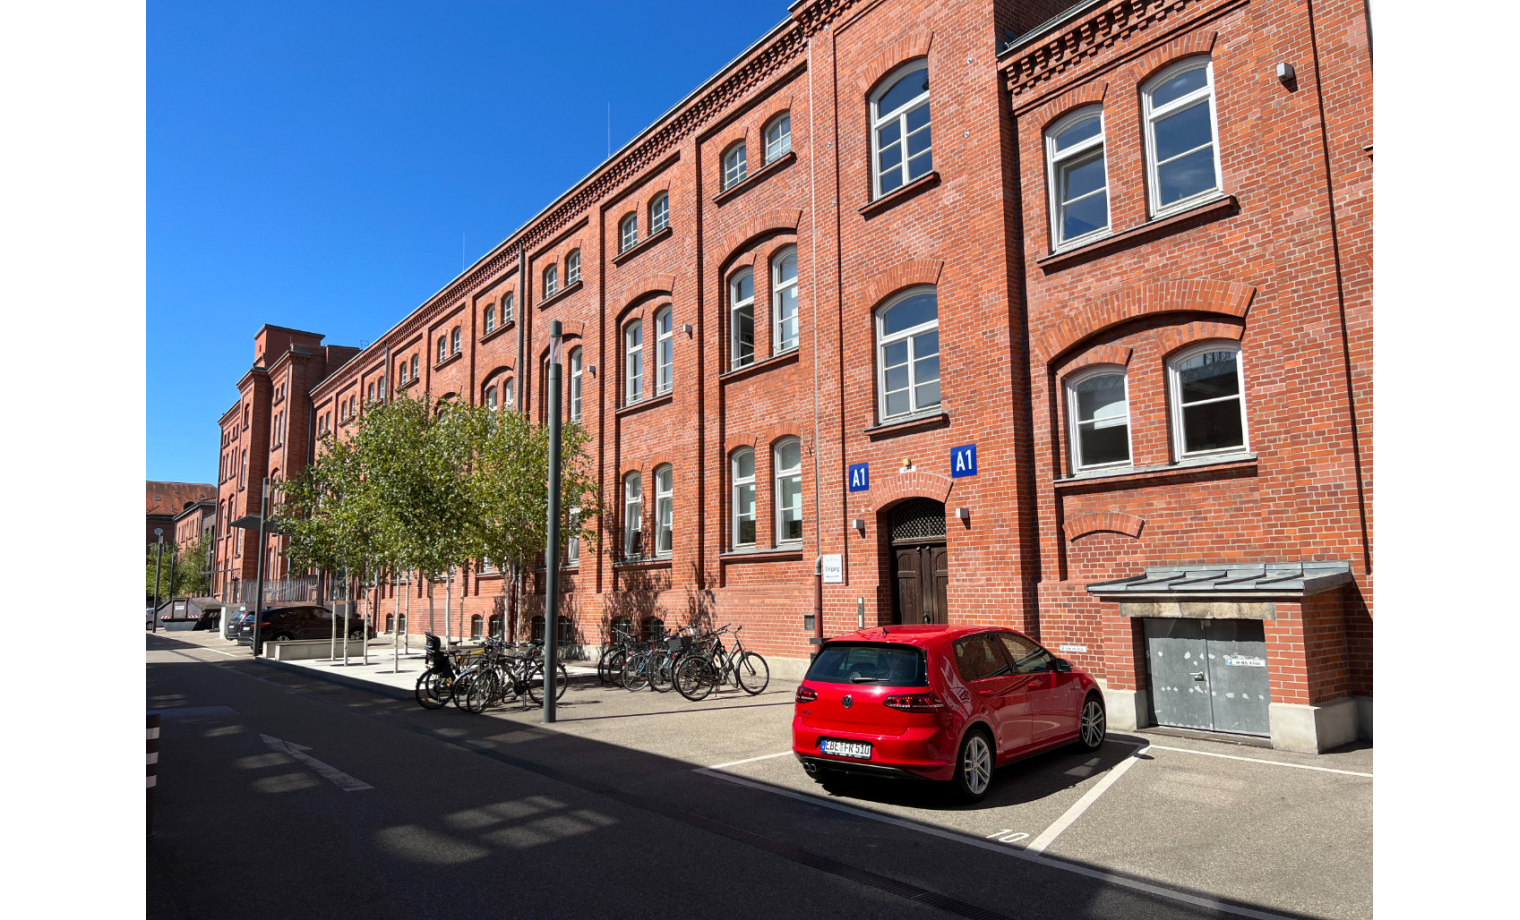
1061	665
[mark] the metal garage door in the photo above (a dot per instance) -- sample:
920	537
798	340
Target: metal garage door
1208	674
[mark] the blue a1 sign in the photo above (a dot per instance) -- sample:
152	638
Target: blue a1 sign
860	477
963	461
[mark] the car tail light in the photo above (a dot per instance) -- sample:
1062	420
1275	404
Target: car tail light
914	702
806	695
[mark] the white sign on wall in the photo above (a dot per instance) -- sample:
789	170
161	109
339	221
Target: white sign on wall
1072	648
833	569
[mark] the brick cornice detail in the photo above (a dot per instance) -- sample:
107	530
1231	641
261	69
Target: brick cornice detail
1104	521
917	484
1086	94
1102	354
910	46
903	275
778	221
1144	299
1085	36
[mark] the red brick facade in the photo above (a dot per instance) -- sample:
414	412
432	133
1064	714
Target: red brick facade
1278	264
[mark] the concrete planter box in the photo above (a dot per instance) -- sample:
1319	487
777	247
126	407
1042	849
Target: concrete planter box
299	649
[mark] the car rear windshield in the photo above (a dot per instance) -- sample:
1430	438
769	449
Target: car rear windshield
870	663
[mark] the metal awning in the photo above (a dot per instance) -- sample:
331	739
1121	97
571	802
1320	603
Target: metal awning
1273	579
251	522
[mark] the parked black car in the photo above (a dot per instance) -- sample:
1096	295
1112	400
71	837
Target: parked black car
305	621
235	627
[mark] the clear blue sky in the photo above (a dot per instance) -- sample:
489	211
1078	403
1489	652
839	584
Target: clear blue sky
315	164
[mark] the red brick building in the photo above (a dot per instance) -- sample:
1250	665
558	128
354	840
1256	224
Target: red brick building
167	500
1055	315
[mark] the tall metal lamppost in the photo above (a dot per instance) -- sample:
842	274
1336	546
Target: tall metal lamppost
551	550
158	570
258	593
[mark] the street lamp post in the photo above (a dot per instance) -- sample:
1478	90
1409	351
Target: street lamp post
158	570
551	550
258	593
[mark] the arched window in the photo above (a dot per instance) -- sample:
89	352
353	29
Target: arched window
575	384
735	165
907	341
900	138
665	351
454	340
490	319
506	308
414	367
742	474
628	233
491	397
654	629
786	460
664	488
1097	407
508	394
633	362
493	626
784	301
1208	400
573	541
659	213
536	629
390	622
1181	158
741	318
633	515
1074	155
443	348
573	267
551	281
778	137
401	624
401	373
477	627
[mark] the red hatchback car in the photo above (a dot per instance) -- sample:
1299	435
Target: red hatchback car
945	703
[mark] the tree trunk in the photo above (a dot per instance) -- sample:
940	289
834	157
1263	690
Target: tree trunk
448	607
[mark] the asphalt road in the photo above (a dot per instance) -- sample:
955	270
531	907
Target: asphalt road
281	795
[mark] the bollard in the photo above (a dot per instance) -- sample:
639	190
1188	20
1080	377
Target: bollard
152	765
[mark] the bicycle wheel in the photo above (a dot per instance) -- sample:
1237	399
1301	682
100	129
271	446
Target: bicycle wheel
636	671
434	690
462	686
693	678
609	670
753	673
535	683
482	692
662	671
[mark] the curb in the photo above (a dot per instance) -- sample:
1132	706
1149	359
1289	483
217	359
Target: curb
357	683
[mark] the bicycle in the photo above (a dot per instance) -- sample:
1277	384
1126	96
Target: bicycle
435	686
510	673
709	664
609	668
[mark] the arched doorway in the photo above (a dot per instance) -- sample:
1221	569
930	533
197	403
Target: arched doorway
920	561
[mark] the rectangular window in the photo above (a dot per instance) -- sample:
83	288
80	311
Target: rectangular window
506	308
735	166
573	541
741	318
1079	179
1098	406
573	268
575	385
664	506
633	362
665	351
1208	402
551	281
788	465
743	476
659	213
1181	158
778	138
633	516
784	297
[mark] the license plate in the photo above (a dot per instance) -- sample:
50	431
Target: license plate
860	750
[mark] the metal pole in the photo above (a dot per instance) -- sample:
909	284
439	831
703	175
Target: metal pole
258	591
350	583
153	726
173	565
551	550
158	569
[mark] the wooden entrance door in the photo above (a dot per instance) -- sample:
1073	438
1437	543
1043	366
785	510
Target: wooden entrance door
920	562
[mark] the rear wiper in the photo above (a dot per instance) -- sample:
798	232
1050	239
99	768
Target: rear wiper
865	680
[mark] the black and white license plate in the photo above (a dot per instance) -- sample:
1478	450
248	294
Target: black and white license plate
859	750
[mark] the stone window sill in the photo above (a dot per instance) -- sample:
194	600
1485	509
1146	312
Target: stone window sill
641	405
494	333
559	295
760	367
1119	478
755	178
449	360
635	565
636	248
1201	213
776	554
898	195
921	422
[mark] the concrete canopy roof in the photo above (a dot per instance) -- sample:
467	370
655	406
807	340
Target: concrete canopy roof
1277	579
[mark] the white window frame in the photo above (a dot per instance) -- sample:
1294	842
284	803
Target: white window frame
778	137
735	165
664	511
779	475
573	267
779	289
737	484
880	120
1174	398
454	341
633	514
1075	422
633	362
910	335
659	213
551	281
491	397
628	231
508	394
577	359
665	351
573	539
443	348
490	318
735	307
1054	162
506	307
414	367
1151	115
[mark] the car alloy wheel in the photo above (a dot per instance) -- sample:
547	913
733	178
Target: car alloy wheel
1094	724
976	765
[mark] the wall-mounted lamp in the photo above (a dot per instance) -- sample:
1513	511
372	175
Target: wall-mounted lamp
860	525
687	328
963	515
1285	74
591	369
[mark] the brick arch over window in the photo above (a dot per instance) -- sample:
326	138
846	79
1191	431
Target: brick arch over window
1200	42
777	106
1188	333
1101	354
784	430
903	275
910	46
729	140
659	460
740	439
917	484
653	286
1144	299
778	221
1104	521
1085	94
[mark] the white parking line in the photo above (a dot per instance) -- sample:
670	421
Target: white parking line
1075	811
735	763
1037	858
1274	763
